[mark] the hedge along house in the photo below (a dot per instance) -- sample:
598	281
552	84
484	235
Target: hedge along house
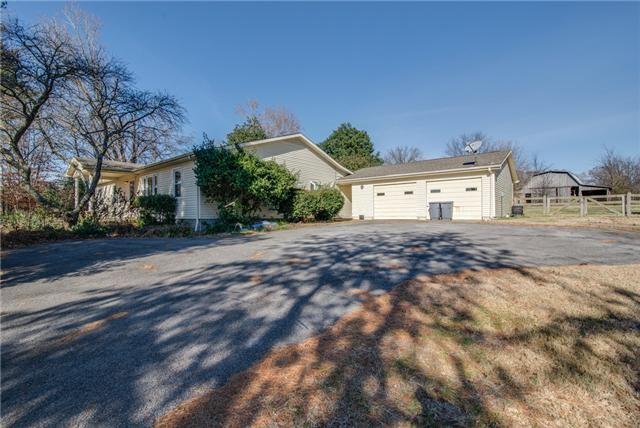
471	187
175	176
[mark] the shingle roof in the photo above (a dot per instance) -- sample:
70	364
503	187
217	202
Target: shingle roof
109	164
431	165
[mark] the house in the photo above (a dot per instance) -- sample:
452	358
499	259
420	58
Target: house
175	176
560	183
470	187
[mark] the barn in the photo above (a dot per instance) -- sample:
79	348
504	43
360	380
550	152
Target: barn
561	183
471	187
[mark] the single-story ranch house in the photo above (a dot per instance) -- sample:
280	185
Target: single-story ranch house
476	186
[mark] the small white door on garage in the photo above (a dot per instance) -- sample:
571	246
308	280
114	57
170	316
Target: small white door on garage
395	201
466	195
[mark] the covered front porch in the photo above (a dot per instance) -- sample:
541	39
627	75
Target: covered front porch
114	176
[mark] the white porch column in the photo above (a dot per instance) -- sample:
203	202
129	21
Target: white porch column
76	191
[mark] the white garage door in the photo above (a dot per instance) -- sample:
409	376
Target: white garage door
466	195
395	201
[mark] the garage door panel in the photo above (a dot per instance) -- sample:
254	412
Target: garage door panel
467	203
395	201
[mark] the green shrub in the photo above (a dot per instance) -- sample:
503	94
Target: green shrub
89	227
156	209
321	205
22	237
36	219
239	183
219	226
168	231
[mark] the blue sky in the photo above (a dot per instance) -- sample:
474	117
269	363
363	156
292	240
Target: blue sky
561	79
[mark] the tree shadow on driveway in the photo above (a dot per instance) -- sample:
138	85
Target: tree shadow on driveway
126	355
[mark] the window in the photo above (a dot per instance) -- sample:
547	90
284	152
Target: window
177	183
148	185
435	191
471	189
314	185
380	194
151	185
409	192
132	189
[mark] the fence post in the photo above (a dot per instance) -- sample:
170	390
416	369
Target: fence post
582	204
544	205
627	211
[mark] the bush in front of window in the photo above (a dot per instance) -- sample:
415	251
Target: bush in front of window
156	209
320	205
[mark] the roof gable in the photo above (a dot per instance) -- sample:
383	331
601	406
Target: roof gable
86	163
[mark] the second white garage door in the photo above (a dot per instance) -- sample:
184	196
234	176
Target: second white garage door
466	195
395	201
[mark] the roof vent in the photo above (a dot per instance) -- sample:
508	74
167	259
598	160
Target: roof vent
469	163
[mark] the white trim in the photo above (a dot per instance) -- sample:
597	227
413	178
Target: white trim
492	192
154	184
346	180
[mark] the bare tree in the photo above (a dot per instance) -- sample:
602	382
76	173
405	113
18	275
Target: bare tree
103	109
402	154
620	173
275	121
456	146
63	96
531	167
36	63
147	143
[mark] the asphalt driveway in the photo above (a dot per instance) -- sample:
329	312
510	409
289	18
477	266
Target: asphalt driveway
117	332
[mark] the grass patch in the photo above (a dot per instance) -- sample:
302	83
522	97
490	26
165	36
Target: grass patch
626	224
504	347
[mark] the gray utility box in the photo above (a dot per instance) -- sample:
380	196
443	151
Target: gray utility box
441	210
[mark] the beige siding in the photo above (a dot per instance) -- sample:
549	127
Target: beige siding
187	203
345	212
208	210
504	192
299	160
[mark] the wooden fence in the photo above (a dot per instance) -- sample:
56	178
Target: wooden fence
621	205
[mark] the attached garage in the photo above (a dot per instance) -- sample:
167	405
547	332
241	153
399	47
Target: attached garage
471	187
394	201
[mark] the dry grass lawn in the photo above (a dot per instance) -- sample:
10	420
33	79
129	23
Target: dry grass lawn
506	347
627	224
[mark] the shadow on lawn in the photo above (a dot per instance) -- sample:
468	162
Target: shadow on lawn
174	339
367	370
